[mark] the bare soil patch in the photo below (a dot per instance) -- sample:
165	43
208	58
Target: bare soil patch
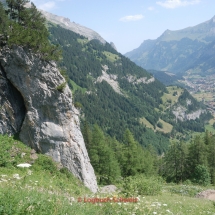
207	194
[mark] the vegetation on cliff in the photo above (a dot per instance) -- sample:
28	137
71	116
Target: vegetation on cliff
26	27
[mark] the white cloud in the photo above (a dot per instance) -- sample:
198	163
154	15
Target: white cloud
177	3
47	6
151	8
131	18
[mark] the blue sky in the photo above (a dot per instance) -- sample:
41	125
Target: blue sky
127	23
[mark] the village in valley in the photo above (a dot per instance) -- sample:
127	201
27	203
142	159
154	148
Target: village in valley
202	88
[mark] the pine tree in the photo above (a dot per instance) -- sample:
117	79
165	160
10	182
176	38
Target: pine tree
87	134
197	155
207	138
102	158
27	28
175	162
211	158
132	164
4	25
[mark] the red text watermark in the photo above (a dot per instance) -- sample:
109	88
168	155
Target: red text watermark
104	200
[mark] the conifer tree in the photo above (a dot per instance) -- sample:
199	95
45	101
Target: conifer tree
27	28
211	158
148	158
175	162
102	158
197	155
119	152
87	134
132	164
4	24
207	138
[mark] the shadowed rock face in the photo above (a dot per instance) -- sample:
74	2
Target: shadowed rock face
51	123
12	108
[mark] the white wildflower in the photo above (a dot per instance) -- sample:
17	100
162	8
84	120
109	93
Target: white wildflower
164	204
154	212
24	165
29	172
72	199
16	176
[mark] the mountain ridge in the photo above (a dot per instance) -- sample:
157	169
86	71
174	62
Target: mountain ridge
176	51
67	24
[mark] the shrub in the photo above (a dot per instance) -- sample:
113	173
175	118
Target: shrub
185	190
141	185
160	125
45	163
201	175
78	105
61	87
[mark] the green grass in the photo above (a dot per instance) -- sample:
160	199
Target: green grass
146	123
43	189
76	87
168	98
111	57
82	41
167	128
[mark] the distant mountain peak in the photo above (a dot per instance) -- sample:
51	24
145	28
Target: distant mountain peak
179	50
66	23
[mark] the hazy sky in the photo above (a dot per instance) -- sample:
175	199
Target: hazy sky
127	23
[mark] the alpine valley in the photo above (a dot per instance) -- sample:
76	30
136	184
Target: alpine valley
116	94
80	115
187	55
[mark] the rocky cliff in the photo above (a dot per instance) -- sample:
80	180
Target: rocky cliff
180	113
32	104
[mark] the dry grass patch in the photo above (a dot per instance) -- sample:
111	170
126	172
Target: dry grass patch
167	128
146	123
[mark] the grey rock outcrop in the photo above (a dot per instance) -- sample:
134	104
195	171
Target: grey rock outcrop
12	108
113	45
72	26
180	113
51	123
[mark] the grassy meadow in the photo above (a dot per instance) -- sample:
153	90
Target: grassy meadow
45	189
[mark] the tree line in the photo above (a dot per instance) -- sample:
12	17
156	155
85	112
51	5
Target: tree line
192	162
112	159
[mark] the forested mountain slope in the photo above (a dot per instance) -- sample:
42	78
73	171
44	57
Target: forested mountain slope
115	93
191	48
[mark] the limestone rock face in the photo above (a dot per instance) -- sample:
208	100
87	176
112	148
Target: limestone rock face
12	108
113	45
51	123
180	113
72	26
